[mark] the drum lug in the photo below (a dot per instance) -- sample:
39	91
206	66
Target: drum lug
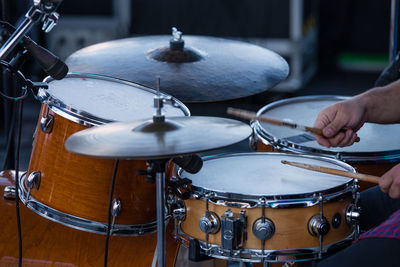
233	230
115	211
10	193
253	142
263	228
46	123
33	180
318	225
209	223
352	214
179	214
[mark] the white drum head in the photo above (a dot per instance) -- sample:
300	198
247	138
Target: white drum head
304	110
107	98
263	174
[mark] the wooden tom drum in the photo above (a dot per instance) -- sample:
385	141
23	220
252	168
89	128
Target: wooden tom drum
375	154
74	190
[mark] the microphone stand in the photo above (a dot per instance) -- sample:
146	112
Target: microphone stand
40	11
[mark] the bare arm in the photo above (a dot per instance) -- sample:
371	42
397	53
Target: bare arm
341	121
382	104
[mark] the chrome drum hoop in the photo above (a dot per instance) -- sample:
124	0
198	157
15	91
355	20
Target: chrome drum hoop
253	255
275	201
350	157
84	118
80	223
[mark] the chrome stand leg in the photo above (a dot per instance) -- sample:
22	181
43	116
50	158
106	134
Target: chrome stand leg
267	264
160	219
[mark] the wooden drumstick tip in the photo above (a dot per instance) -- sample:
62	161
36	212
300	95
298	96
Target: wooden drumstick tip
359	176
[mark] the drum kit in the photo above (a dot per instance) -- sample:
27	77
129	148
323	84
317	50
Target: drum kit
104	162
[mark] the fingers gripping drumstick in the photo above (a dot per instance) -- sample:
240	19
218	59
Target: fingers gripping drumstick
252	116
359	176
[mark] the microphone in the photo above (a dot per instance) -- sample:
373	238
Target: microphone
192	163
49	62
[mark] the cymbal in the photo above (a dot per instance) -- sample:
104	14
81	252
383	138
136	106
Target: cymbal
203	69
147	139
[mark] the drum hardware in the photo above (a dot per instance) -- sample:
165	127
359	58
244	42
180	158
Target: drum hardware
179	187
47	122
115	210
10	193
263	228
336	220
149	172
33	180
352	214
209	223
318	226
233	230
179	215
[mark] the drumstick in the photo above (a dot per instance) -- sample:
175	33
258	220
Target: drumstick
359	176
252	116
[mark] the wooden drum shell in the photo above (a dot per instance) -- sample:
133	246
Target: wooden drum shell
291	224
46	243
79	185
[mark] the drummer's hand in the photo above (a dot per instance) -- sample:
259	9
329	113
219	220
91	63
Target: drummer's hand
390	182
339	123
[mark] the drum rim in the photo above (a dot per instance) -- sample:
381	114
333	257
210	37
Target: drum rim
350	157
259	255
275	201
79	223
85	118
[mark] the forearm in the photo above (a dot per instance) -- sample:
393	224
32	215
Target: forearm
382	104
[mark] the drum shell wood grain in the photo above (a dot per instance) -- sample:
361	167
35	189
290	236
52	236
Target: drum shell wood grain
291	224
80	185
46	243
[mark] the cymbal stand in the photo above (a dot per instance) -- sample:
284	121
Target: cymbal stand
159	167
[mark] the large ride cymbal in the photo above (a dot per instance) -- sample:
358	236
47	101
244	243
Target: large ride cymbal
198	69
157	140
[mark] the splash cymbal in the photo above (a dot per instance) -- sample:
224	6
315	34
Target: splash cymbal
158	139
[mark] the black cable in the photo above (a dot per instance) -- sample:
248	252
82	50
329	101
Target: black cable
109	211
19	125
9	141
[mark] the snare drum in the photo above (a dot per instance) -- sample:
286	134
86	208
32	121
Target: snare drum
74	190
376	153
251	207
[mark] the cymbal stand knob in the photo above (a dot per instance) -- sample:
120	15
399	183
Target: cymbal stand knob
150	174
